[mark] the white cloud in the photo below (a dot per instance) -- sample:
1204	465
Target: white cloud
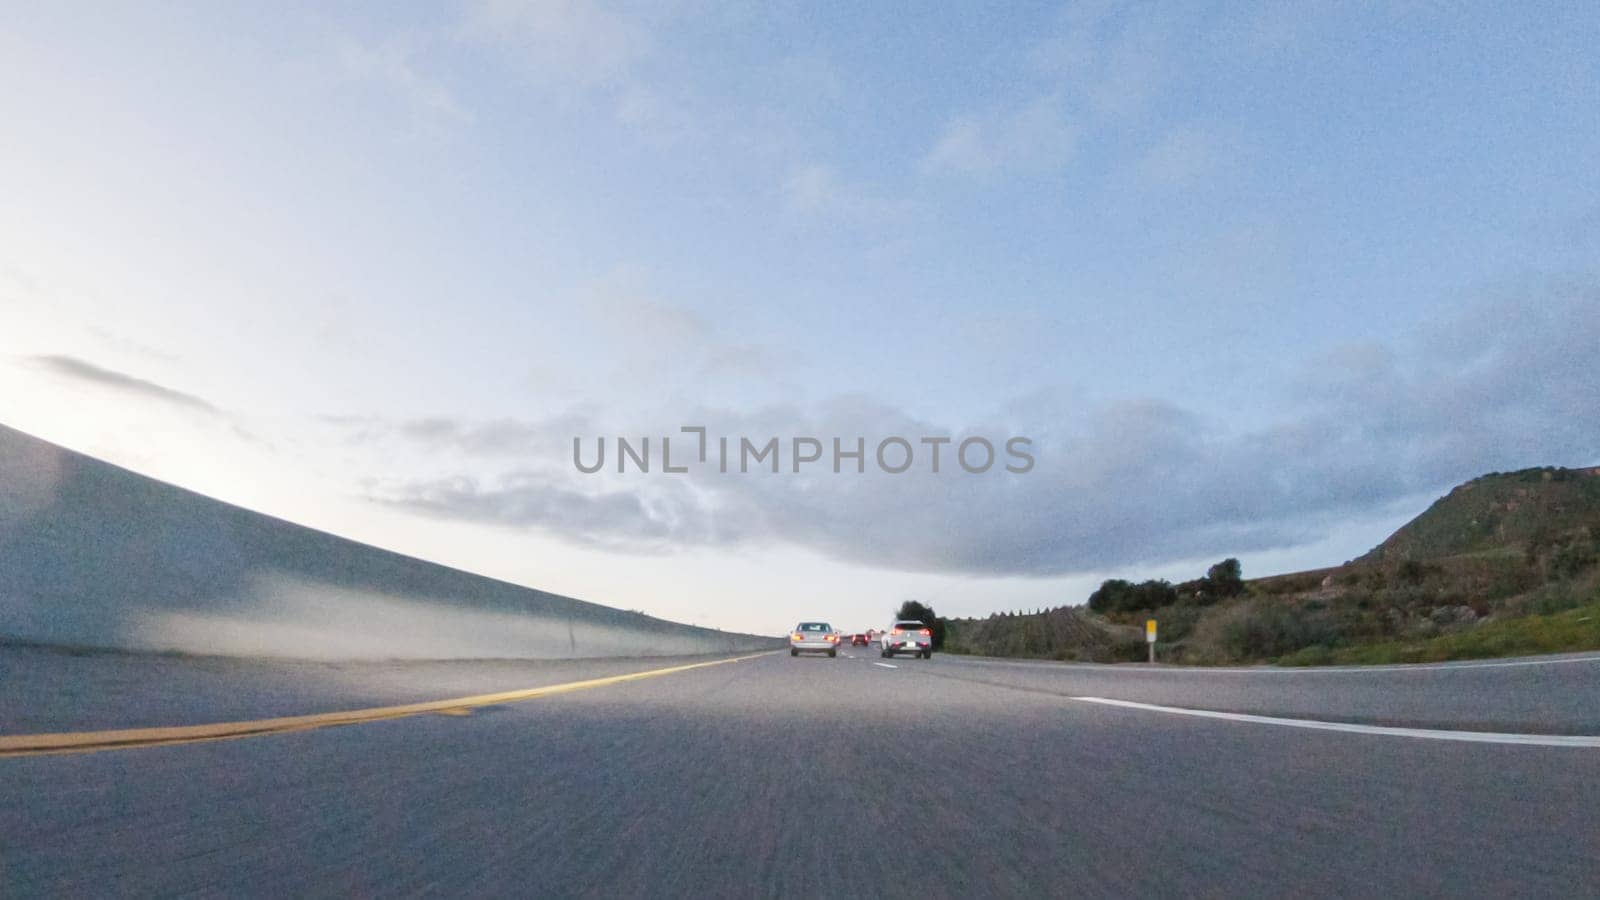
1098	66
666	349
812	188
577	44
1111	60
961	146
392	64
1183	157
628	311
1130	73
1037	136
638	63
818	190
660	117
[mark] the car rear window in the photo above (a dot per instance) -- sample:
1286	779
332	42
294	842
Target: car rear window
910	626
815	626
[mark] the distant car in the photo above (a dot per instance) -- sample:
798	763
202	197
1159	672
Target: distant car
814	637
859	640
907	637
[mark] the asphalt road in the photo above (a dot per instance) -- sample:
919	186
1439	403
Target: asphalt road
44	689
787	777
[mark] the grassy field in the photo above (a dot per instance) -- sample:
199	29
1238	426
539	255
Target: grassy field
1564	632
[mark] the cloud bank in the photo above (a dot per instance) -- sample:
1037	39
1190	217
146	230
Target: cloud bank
1507	383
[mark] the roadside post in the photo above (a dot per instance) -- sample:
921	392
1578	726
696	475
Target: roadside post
1150	637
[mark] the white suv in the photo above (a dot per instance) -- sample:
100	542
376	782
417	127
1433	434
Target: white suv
907	637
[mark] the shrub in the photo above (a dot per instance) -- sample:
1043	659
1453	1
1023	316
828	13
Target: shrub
1254	631
1118	595
1553	599
1225	579
1412	572
1572	559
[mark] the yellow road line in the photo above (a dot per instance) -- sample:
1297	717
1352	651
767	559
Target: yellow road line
127	738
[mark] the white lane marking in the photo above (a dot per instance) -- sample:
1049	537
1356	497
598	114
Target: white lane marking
886	665
1414	667
1434	734
1278	670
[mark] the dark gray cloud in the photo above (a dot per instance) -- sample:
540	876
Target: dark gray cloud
1507	383
629	521
486	439
499	437
81	370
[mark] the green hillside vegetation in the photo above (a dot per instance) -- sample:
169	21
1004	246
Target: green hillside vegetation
1497	512
1507	563
1064	633
1564	632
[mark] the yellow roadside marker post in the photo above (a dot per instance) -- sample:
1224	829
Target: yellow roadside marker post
1150	637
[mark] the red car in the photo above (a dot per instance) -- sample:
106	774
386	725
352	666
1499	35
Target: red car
859	640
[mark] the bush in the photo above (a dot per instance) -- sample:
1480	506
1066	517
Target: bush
1118	595
1413	572
1177	622
1572	559
1225	579
1256	631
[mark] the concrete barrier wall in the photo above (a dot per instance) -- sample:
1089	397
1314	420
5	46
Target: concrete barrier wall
95	555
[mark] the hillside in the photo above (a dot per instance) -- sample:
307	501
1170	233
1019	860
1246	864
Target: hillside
1064	633
1499	511
98	556
1505	563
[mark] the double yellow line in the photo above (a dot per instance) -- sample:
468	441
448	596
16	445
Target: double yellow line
128	738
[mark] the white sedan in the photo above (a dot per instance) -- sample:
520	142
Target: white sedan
814	637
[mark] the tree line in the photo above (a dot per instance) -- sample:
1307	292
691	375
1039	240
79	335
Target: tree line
1221	581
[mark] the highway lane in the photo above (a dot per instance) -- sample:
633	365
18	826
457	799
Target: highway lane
1554	695
48	689
780	776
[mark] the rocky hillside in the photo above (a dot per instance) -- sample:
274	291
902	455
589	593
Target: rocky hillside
1499	511
1504	564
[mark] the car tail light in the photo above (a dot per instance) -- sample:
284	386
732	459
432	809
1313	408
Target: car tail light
926	631
798	636
833	637
894	631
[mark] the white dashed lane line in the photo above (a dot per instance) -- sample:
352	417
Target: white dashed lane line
886	665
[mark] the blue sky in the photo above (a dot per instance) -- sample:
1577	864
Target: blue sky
1261	280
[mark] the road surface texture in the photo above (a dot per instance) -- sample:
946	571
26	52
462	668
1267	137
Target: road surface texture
47	689
847	777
